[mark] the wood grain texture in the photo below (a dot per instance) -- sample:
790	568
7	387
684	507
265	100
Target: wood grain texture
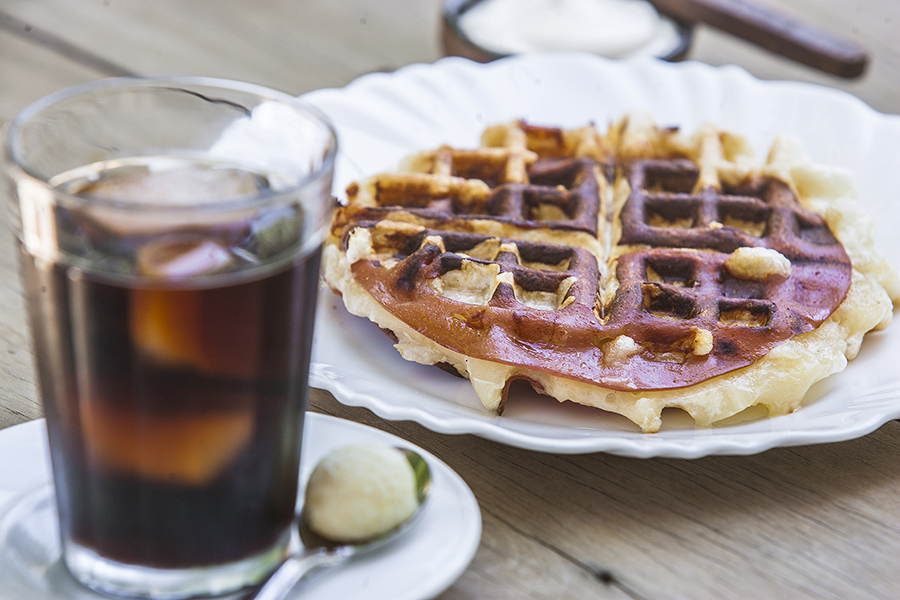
873	24
808	522
29	70
285	44
18	394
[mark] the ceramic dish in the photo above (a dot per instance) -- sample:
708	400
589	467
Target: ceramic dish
441	545
456	42
380	118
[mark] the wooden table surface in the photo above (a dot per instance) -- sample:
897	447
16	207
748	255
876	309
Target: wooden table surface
807	522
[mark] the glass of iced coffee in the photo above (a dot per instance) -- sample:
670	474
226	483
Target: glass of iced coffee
169	232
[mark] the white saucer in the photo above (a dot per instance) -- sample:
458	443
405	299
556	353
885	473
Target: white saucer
420	565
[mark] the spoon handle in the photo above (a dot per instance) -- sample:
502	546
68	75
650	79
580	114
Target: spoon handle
775	31
295	569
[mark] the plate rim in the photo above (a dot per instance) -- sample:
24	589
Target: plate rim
647	445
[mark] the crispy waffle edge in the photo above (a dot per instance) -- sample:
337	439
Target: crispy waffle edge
779	380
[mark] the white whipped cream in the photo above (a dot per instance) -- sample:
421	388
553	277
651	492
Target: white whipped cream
611	28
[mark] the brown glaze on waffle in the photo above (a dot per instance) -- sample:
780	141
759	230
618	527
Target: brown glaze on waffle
664	210
556	195
484	253
690	291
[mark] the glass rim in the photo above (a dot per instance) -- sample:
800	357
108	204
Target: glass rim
17	170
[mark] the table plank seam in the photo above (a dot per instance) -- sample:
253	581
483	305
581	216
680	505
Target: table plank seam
60	46
20	414
601	575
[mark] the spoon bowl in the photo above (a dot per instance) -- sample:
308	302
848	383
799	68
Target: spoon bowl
319	553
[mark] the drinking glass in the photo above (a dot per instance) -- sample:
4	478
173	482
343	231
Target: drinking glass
169	232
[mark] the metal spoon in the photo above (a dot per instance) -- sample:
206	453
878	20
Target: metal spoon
319	553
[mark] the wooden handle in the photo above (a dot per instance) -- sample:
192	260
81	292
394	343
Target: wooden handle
775	31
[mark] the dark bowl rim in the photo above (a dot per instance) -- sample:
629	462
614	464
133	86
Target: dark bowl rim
452	10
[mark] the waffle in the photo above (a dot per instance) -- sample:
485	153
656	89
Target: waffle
632	271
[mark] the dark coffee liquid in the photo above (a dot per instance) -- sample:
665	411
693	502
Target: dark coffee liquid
174	408
223	483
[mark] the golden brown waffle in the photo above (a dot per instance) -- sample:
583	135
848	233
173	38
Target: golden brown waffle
626	271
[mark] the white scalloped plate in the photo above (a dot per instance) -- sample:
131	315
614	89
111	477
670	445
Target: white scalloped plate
381	118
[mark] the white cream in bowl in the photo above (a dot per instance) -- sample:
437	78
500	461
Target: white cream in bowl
611	28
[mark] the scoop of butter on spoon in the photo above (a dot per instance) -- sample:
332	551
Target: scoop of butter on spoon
358	499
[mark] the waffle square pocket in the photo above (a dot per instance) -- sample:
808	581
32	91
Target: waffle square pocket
631	270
